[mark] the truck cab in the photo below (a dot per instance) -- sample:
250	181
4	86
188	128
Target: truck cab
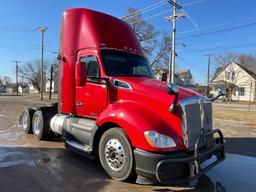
110	107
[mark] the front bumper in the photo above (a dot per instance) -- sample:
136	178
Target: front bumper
180	167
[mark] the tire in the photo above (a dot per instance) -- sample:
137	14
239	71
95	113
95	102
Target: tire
116	155
26	120
40	126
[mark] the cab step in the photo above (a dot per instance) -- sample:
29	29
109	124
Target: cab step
80	148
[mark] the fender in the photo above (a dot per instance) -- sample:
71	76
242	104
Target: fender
135	118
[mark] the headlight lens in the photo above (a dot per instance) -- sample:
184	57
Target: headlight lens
156	139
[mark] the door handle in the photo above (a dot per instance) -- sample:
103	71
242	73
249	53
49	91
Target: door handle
79	103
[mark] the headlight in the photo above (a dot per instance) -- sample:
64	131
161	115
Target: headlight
156	139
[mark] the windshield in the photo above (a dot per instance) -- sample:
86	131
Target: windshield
118	63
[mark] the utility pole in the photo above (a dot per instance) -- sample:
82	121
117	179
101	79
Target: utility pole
50	91
42	30
173	18
208	73
250	101
17	76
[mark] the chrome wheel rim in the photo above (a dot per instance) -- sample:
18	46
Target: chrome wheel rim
25	121
114	154
36	125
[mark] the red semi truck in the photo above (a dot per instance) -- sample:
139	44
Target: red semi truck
110	107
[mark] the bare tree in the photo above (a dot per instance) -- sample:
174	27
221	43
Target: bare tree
5	80
245	59
156	46
31	71
226	58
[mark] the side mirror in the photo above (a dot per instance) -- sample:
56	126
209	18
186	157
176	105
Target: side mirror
173	89
80	73
221	91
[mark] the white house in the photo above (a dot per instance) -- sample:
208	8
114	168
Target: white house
11	88
54	86
238	80
23	88
32	88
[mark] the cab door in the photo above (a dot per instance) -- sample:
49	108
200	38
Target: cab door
91	96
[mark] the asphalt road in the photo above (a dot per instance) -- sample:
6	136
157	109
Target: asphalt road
29	165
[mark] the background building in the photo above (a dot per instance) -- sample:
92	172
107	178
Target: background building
239	81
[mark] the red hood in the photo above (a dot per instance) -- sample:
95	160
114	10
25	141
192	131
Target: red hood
153	88
149	98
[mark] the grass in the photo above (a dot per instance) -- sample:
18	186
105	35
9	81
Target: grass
244	116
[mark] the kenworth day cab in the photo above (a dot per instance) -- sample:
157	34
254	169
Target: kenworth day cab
110	107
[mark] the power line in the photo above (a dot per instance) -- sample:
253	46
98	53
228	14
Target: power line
216	49
145	9
194	3
150	17
190	64
219	31
188	16
163	12
190	19
201	28
213	26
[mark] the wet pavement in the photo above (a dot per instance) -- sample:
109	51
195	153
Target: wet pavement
44	169
29	165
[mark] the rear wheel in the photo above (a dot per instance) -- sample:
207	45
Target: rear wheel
40	126
26	120
116	155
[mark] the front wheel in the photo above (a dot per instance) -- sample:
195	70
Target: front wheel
116	155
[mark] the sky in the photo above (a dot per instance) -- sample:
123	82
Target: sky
213	26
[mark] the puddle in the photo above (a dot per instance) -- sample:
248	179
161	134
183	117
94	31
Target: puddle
31	163
17	163
16	158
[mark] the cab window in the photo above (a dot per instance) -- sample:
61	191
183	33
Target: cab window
92	68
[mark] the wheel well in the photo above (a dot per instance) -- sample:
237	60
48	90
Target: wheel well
99	133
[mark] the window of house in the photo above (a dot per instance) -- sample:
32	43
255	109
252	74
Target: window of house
233	76
241	91
228	75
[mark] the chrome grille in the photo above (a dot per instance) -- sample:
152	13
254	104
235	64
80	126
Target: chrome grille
196	115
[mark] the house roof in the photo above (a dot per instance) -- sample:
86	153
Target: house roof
11	85
250	69
183	73
218	70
